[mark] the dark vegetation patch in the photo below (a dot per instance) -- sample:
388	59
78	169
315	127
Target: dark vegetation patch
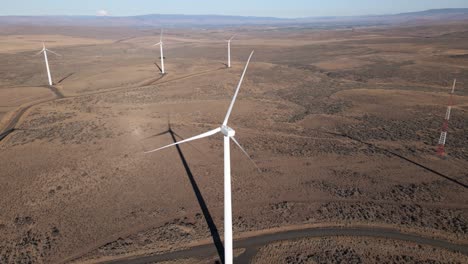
422	192
447	220
340	254
172	233
336	190
73	132
23	220
30	247
38	119
461	56
307	147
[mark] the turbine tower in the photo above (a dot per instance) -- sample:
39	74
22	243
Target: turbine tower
228	135
444	130
229	51
45	50
160	43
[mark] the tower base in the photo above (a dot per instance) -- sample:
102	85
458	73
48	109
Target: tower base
441	151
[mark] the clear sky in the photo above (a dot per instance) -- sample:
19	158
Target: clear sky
276	8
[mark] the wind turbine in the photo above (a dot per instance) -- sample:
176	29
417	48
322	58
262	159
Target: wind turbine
160	43
45	50
228	135
229	51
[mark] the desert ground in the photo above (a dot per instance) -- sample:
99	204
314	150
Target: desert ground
343	125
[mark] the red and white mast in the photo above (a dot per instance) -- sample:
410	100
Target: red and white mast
443	133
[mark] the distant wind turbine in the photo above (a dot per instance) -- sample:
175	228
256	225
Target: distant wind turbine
229	51
228	134
160	43
45	50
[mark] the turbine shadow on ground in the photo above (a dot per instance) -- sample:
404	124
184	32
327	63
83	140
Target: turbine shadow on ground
401	157
57	92
201	201
64	78
157	65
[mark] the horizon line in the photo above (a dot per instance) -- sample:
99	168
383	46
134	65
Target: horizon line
220	15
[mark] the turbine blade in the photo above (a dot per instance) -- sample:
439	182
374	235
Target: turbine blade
232	37
157	44
177	135
454	84
54	52
207	134
39	53
237	90
160	38
245	152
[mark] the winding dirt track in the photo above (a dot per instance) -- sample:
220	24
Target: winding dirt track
253	244
10	127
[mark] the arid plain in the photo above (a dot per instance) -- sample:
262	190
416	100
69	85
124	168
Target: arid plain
343	125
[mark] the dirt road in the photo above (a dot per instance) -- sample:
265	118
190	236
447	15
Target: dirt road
252	244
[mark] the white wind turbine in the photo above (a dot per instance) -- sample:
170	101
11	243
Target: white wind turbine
44	50
229	51
228	134
160	43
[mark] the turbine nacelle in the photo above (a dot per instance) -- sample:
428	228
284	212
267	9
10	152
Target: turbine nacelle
227	131
229	40
44	49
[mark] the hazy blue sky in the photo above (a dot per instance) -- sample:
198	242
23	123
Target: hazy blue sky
277	8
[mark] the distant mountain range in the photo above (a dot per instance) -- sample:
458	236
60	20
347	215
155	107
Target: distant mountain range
159	20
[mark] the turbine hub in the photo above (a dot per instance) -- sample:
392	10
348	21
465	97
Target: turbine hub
227	131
